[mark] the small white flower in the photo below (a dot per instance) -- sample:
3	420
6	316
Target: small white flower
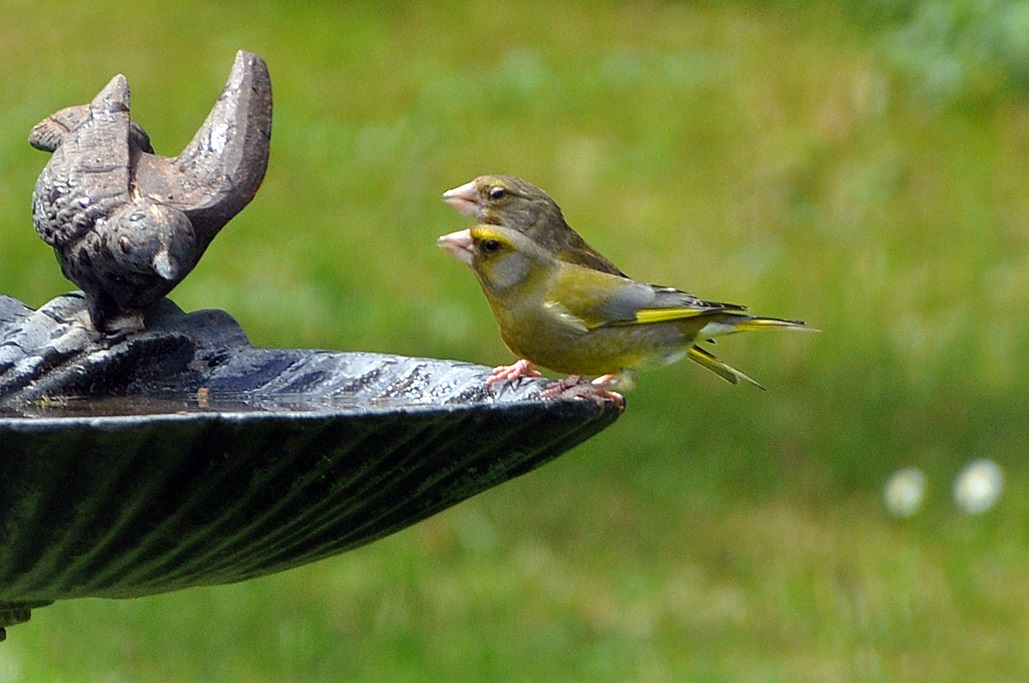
904	492
978	486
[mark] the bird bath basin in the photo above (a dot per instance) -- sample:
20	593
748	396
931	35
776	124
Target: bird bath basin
213	461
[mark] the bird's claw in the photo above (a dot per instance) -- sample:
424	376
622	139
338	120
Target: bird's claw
509	373
575	386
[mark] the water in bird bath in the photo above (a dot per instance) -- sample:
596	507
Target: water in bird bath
181	403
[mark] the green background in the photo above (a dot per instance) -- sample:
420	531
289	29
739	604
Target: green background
864	169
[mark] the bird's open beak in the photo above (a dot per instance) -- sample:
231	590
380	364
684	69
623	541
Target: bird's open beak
459	244
464	198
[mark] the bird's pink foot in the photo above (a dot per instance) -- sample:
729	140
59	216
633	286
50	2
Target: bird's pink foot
522	368
574	386
607	382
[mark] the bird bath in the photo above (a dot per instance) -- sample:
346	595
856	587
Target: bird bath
173	453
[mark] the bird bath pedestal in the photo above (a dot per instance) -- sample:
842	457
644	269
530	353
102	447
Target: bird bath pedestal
143	449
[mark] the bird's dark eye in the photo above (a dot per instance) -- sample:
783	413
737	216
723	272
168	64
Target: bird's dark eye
496	192
490	246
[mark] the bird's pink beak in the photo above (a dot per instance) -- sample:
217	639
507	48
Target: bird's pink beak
459	245
464	198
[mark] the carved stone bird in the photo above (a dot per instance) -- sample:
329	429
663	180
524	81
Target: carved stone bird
128	225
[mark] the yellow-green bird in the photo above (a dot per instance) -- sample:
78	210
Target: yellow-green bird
578	320
519	205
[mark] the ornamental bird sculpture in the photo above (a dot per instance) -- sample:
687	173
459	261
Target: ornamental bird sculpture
128	225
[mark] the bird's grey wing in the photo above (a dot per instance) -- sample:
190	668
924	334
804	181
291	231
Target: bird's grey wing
630	304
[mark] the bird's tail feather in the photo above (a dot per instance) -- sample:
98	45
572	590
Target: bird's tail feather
716	325
756	323
713	322
723	370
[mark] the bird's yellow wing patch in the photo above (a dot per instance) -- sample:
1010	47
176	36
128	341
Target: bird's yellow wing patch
660	315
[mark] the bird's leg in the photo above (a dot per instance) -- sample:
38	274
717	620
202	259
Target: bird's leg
523	368
108	319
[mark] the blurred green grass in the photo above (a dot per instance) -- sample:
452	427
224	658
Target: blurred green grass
795	157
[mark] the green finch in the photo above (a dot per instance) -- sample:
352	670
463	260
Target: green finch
519	205
578	320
